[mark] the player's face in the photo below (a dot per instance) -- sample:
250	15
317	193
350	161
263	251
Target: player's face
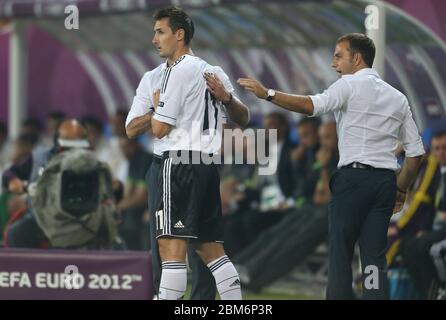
164	39
343	59
439	149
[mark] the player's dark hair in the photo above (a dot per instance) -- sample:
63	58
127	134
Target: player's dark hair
360	43
178	19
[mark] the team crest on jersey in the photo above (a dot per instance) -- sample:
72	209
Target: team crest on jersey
160	104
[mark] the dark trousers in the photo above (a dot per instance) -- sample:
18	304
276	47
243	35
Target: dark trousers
360	210
203	283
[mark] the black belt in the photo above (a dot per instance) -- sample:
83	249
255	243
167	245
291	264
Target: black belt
359	165
189	153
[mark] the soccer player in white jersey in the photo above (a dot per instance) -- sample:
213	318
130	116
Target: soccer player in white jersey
139	122
189	207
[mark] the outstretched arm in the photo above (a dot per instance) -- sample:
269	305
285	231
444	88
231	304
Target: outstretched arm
292	102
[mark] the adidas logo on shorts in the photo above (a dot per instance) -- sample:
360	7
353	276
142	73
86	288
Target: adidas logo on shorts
179	225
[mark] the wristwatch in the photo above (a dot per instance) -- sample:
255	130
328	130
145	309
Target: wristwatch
271	93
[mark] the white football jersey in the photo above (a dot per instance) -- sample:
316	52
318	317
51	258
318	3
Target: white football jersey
186	104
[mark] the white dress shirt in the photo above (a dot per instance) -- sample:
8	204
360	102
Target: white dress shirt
371	117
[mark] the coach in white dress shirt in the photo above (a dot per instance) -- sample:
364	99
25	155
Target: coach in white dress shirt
372	118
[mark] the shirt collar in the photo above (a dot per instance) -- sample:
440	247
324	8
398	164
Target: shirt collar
176	61
162	66
367	71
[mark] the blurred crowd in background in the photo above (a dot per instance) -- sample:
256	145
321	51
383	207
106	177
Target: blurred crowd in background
272	222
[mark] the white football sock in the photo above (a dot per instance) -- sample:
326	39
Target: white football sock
173	281
226	278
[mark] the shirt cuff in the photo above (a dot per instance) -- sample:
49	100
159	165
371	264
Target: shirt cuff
414	149
317	105
166	119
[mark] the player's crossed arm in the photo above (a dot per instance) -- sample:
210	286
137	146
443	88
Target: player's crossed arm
159	129
142	124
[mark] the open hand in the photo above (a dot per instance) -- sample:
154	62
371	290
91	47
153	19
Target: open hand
254	86
156	98
217	88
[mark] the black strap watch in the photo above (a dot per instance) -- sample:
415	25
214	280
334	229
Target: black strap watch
271	93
